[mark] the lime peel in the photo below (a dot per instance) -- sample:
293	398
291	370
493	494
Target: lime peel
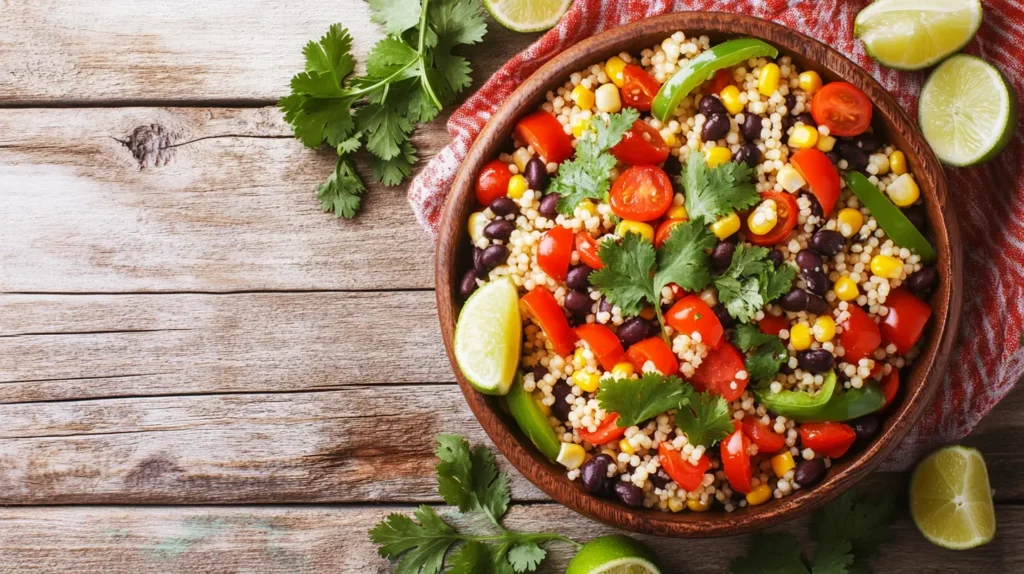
488	336
613	554
527	15
916	34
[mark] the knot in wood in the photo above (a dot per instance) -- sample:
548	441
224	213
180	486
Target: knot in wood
152	145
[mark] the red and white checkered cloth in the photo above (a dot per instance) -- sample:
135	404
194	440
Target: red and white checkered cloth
988	358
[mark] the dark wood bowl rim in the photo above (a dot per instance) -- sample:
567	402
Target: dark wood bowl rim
928	370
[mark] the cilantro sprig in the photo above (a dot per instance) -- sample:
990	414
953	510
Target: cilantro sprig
751	281
715	191
410	75
766	352
705	420
586	176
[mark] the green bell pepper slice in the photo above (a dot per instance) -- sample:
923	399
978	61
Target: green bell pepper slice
850	404
532	420
889	217
703	68
798	405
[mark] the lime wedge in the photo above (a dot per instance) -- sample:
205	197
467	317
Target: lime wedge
527	15
968	112
950	499
615	554
915	34
488	335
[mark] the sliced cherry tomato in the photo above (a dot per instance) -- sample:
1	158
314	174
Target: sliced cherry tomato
736	461
830	439
642	193
767	440
860	336
555	252
788	212
638	88
688	476
606	432
772	324
691	314
641	145
588	250
907	317
545	133
717	372
492	182
664	230
548	315
603	343
821	176
890	386
722	79
843	108
655	350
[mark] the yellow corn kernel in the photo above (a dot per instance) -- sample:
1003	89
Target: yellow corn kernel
898	163
726	226
804	137
608	99
846	289
587	382
763	218
623	370
800	337
810	82
768	81
904	191
886	266
543	408
647	313
696	505
583	97
571	455
670	139
477	223
677	212
642	229
850	221
718	155
588	207
790	179
826	143
517	186
783	463
625	447
613	67
580	124
731	99
675	505
760	495
577	357
824	329
521	157
881	163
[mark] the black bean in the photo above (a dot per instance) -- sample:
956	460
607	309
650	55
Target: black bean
816	305
536	174
868	142
815	205
922	282
816	361
918	216
468	284
672	166
752	127
721	256
604	306
549	206
578	278
629	493
785	369
578	303
594	473
749	154
809	472
659	479
504	206
817	281
494	256
775	256
790	120
833	157
715	128
795	301
710	105
808	260
634	330
790	102
827	242
499	229
855	157
560	408
539	371
723	316
866	427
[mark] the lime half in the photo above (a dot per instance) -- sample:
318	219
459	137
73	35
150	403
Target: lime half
915	34
950	499
527	15
615	554
488	335
968	112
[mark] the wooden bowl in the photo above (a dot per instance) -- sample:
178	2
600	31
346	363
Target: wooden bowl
453	258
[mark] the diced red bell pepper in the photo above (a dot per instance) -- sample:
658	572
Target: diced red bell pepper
831	439
689	477
656	350
736	461
605	433
544	309
907	317
860	336
603	342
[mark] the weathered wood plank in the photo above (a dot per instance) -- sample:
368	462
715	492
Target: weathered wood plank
334	539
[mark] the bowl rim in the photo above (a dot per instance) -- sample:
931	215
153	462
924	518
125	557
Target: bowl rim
927	372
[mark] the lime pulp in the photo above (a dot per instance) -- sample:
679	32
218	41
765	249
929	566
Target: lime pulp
488	335
915	34
951	500
527	15
614	554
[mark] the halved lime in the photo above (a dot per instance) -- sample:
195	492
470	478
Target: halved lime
915	34
950	499
968	112
614	554
488	335
527	15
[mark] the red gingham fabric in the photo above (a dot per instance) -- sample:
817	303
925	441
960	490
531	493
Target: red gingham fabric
988	358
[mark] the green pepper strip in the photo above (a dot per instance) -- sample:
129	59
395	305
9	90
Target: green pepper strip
532	420
798	404
850	404
703	68
889	217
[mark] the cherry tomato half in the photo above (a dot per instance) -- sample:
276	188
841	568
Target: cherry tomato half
843	108
664	230
691	314
722	79
767	440
545	133
588	249
638	88
821	176
606	432
642	193
830	439
736	461
772	324
890	386
603	342
717	372
860	336
907	317
655	350
688	476
554	253
548	315
788	212
641	145
492	182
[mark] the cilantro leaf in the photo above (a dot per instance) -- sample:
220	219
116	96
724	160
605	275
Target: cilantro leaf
706	420
780	281
317	120
395	16
342	193
470	480
777	553
741	298
457	21
385	129
586	175
393	171
471	558
625	280
751	281
490	487
414	546
608	134
526	557
639	400
767	352
862	520
832	557
713	192
683	259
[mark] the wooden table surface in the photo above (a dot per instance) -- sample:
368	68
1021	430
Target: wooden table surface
199	371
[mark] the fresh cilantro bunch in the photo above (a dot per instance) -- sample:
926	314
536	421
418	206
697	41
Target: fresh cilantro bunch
766	352
751	281
586	176
410	75
716	191
469	480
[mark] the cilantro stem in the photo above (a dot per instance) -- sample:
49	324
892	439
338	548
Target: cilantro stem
421	48
519	538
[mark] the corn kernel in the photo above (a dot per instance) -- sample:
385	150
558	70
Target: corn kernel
810	82
804	137
696	505
886	266
800	337
904	191
608	99
648	313
578	358
583	97
760	495
790	179
623	370
642	229
521	157
571	455
881	163
824	329
768	81
846	289
670	140
677	212
850	221
731	99
543	408
763	218
613	67
783	463
587	382
726	226
580	124
718	155
587	207
477	223
826	143
625	447
517	186
675	505
898	162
